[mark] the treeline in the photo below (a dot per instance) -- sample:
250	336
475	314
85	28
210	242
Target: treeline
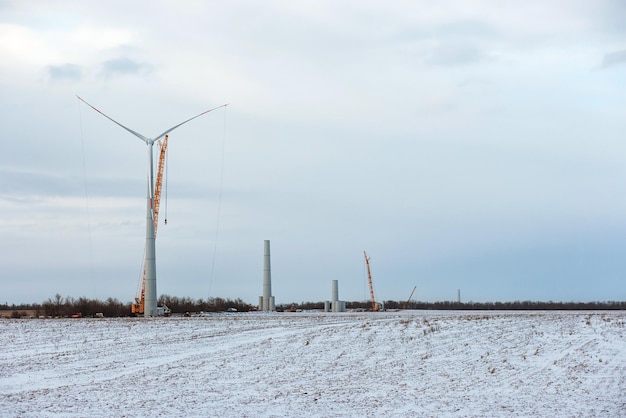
186	304
111	307
511	306
60	307
477	306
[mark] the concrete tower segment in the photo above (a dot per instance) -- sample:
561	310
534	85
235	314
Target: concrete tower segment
266	302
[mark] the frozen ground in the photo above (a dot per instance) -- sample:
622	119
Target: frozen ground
405	364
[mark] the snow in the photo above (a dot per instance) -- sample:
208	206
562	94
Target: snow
399	364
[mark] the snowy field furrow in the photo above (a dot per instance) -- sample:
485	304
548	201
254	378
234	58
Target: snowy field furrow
399	364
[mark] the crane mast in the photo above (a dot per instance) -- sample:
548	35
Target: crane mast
159	183
369	279
138	307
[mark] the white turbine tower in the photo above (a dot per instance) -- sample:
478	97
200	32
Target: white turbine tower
150	305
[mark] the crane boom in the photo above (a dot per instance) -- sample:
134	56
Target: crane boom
138	307
369	279
406	305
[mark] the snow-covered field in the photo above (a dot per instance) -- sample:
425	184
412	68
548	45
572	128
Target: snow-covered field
398	364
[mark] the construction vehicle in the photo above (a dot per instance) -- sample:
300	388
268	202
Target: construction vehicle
138	306
375	306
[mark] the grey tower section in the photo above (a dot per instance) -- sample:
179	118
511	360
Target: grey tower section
266	302
336	305
334	296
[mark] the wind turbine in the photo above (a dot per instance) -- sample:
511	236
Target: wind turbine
150	306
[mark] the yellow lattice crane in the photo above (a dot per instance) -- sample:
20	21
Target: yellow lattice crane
369	279
137	307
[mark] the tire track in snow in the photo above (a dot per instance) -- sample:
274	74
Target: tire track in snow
362	364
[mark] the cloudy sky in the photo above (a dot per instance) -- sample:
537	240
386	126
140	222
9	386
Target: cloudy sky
464	145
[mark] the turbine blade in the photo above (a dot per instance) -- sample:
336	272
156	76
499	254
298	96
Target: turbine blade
190	119
138	135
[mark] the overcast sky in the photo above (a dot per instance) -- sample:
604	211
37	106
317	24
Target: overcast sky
464	145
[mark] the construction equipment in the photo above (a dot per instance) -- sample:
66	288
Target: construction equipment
406	305
138	307
375	306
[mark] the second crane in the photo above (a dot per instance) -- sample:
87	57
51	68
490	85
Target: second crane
375	306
